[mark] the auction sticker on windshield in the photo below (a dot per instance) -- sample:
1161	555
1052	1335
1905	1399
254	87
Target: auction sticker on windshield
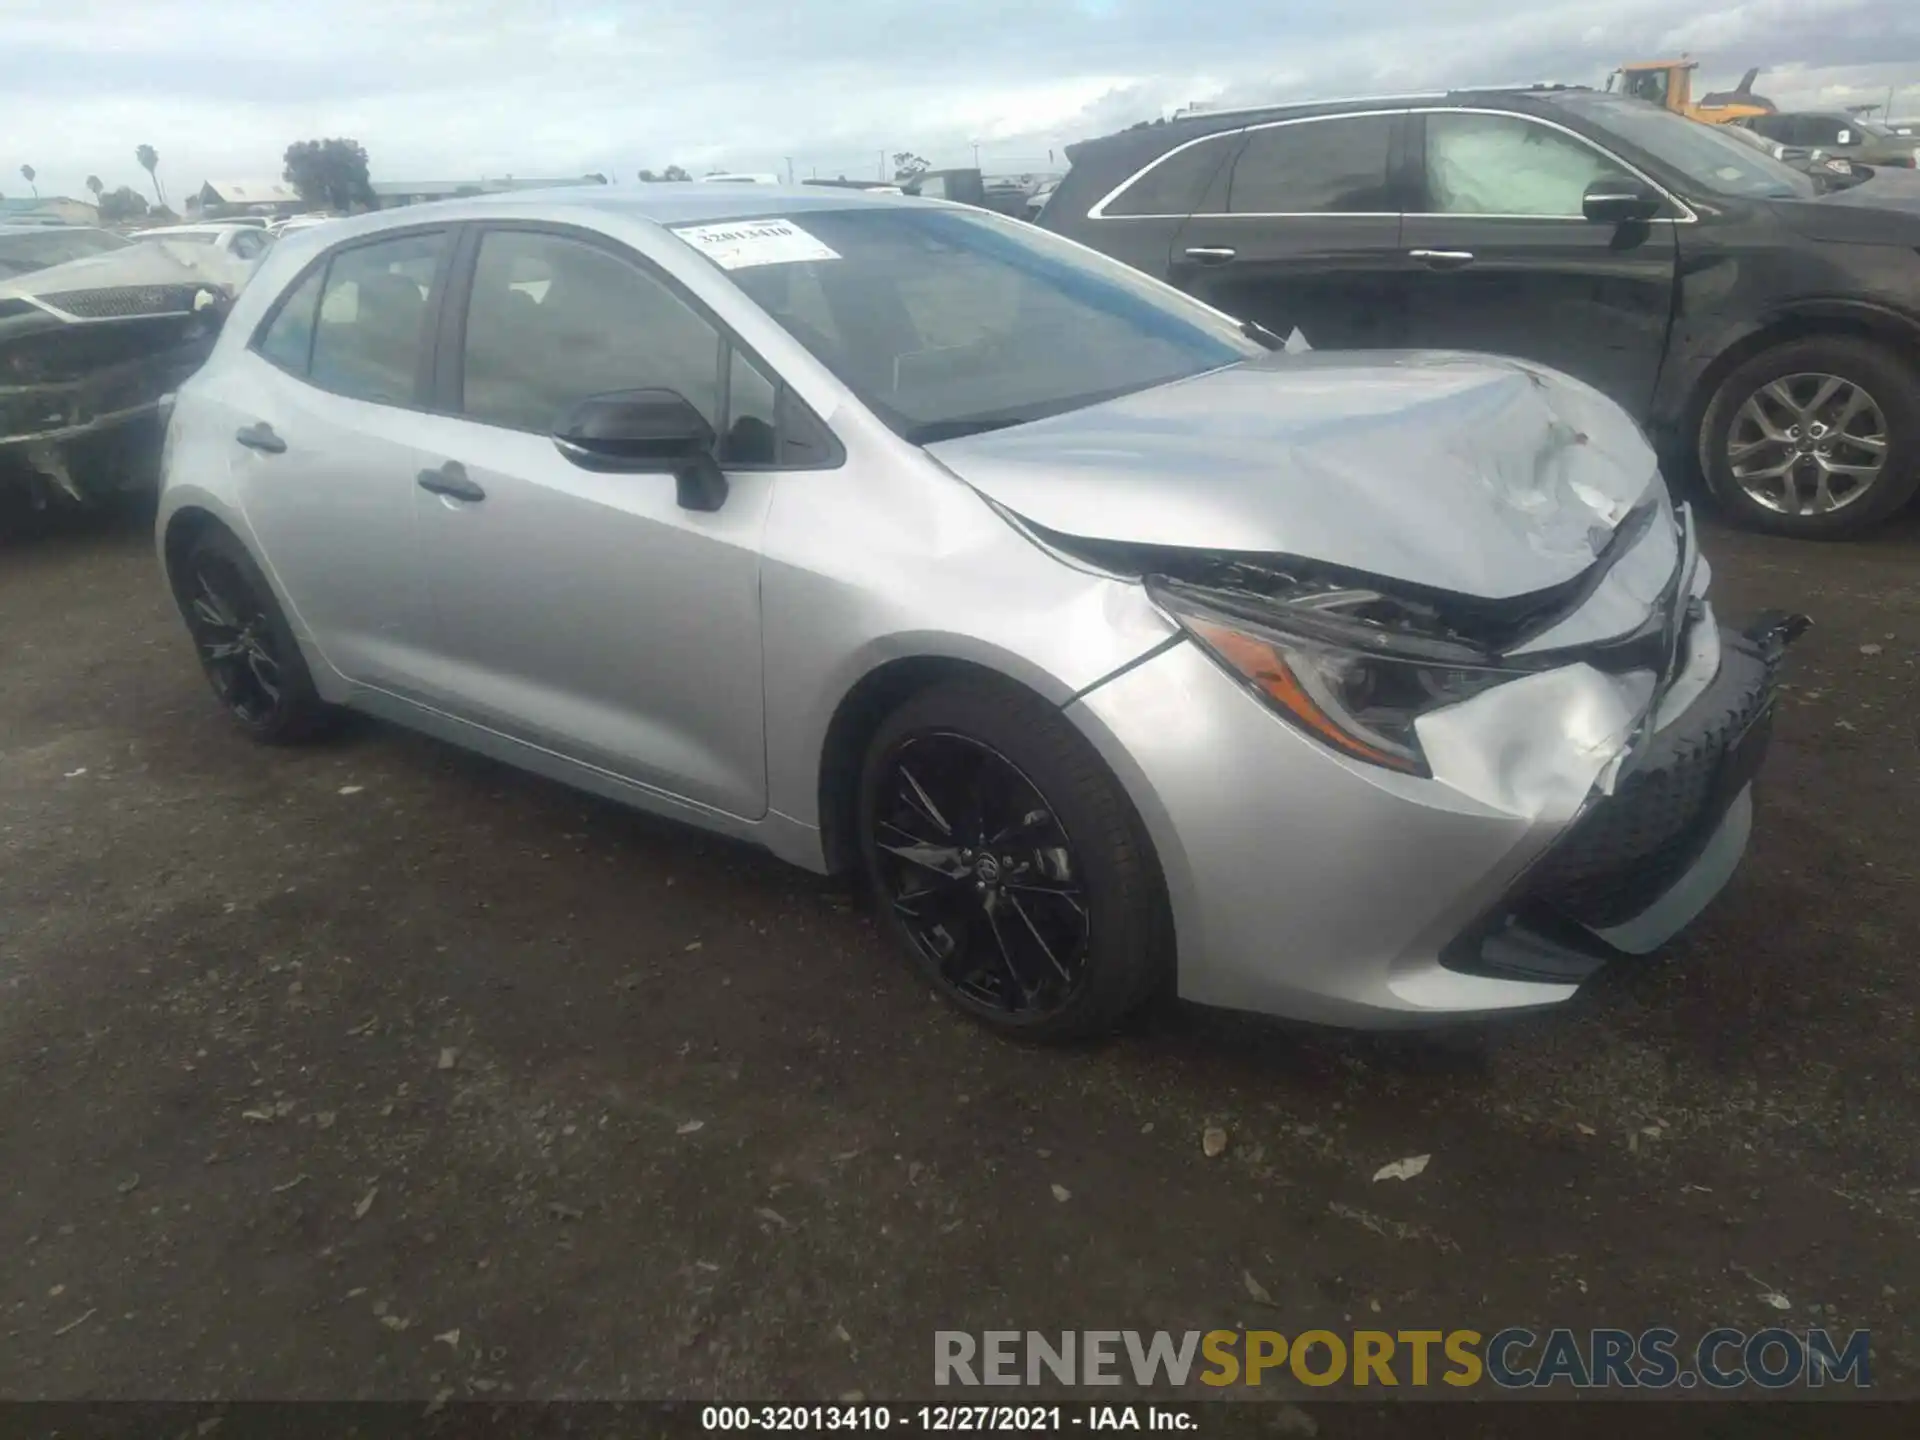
745	243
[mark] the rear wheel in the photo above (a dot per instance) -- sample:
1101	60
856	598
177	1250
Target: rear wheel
246	647
1818	438
1008	862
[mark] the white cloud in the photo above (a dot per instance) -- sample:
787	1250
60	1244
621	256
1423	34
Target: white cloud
440	89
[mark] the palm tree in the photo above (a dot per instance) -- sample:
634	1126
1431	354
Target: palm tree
93	184
149	159
27	174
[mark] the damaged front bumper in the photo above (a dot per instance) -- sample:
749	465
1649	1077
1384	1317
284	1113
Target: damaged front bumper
1639	864
86	375
1583	811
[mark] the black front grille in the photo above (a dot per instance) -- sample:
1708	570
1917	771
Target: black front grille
122	301
1629	847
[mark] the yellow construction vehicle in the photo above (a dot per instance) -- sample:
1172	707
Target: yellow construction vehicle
1669	83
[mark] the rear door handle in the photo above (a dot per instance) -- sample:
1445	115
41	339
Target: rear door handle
451	480
260	436
1211	254
1442	259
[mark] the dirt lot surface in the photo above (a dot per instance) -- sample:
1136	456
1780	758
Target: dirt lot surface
374	1070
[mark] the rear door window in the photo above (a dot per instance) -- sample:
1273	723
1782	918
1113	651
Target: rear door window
371	334
1336	166
288	338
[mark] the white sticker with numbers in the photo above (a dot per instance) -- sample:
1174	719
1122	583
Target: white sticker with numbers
739	244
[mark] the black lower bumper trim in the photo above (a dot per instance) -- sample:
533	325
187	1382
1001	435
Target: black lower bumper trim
1629	848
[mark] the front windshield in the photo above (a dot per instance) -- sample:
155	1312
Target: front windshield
1712	160
947	322
23	253
1872	127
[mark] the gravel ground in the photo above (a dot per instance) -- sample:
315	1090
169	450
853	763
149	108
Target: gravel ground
375	1070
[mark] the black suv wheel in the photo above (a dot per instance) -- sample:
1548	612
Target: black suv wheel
1817	438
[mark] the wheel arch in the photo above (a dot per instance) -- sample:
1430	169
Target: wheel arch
182	528
874	696
1810	320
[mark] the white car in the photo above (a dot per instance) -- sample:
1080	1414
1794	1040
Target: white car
298	222
243	242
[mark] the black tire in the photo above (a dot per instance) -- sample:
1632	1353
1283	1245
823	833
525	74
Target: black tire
1103	856
1892	385
244	642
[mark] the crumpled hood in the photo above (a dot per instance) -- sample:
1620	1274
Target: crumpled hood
1466	473
151	262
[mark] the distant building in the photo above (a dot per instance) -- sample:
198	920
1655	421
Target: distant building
218	198
48	210
388	194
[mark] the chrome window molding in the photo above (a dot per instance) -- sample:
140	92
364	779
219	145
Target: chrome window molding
1099	211
1687	216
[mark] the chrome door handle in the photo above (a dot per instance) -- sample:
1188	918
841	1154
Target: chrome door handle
261	437
1443	259
1211	254
450	480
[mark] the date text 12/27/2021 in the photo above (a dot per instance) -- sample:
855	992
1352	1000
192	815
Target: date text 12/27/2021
949	1419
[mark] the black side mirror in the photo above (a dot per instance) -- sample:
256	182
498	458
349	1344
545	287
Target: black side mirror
1619	202
642	432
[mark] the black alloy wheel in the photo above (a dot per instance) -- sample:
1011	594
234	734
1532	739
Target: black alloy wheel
1009	863
235	640
982	875
244	643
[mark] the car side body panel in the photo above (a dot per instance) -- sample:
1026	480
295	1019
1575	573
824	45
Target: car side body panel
858	565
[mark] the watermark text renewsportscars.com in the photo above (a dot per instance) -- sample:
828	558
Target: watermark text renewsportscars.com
1774	1358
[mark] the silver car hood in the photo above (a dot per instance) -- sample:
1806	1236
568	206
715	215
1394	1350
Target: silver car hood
1466	473
149	263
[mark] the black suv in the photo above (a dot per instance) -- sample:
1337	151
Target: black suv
1748	314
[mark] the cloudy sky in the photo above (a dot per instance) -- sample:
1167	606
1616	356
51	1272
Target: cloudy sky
442	90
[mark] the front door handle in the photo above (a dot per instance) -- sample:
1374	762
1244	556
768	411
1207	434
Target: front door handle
1211	254
1442	259
451	480
260	436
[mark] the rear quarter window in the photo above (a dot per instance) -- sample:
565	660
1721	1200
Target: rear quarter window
1175	183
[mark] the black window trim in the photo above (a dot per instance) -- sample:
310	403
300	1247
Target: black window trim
449	347
1239	135
322	264
1418	152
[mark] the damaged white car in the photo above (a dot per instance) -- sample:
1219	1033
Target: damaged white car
95	332
1120	653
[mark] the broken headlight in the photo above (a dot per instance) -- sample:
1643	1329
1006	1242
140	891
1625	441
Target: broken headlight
1353	668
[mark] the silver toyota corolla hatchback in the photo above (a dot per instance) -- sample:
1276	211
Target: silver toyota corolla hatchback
1124	653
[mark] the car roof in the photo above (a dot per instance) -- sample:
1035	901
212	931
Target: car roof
670	202
1169	133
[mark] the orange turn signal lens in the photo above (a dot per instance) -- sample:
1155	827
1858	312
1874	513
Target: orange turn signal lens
1265	665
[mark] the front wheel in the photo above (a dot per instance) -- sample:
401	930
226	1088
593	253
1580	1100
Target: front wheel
1816	439
1008	862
